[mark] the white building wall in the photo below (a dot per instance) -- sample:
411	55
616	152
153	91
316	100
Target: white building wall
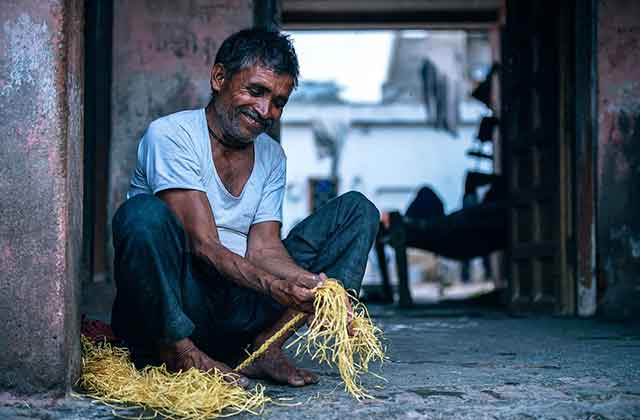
388	164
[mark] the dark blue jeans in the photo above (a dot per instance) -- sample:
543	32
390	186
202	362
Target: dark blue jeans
165	294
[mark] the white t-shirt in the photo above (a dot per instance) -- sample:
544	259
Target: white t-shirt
175	152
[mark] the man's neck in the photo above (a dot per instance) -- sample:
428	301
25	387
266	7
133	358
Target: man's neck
215	133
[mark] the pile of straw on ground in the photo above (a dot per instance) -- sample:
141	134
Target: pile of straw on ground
109	375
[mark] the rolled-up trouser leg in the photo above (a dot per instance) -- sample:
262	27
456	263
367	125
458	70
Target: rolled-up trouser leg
151	271
336	239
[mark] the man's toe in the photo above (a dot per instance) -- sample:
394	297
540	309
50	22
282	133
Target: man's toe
232	377
209	364
296	380
308	376
242	381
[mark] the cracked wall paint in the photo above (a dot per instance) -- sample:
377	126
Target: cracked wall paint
26	52
30	64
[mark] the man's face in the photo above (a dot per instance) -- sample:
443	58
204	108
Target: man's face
250	102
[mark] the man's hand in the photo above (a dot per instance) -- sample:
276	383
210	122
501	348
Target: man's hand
347	303
298	293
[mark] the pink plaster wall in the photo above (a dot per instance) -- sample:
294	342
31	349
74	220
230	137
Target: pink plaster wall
41	77
619	156
163	53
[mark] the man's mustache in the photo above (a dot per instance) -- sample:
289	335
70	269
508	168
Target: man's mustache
266	123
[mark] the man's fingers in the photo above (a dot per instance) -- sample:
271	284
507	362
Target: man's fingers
303	298
303	294
310	281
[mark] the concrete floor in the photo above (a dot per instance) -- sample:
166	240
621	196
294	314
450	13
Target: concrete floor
457	362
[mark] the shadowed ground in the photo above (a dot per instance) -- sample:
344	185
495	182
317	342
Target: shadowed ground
457	362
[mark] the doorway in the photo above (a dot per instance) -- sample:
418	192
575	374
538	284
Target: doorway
326	121
535	149
97	133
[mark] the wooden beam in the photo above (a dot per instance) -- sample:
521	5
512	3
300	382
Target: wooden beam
295	19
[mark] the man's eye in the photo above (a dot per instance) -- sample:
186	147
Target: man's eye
255	92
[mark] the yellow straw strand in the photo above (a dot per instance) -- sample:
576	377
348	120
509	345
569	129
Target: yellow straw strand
327	340
265	346
110	377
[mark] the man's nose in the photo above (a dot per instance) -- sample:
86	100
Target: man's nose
263	109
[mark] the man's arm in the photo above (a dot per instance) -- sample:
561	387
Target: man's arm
193	210
266	250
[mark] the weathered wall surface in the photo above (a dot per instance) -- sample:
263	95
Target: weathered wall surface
163	53
41	78
619	156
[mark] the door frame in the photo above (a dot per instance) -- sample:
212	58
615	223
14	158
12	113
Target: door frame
585	155
97	134
548	290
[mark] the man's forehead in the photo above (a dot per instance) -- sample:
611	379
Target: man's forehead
264	74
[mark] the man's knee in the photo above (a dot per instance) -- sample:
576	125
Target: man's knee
141	217
365	209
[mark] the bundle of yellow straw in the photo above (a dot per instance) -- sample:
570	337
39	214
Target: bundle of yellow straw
327	340
110	377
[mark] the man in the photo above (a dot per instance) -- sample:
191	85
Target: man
200	268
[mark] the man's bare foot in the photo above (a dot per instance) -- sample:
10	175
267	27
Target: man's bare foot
276	366
184	355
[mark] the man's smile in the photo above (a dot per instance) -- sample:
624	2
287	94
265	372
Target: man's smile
253	121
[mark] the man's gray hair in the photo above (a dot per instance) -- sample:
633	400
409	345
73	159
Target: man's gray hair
271	49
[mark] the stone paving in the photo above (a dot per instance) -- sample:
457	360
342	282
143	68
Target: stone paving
456	362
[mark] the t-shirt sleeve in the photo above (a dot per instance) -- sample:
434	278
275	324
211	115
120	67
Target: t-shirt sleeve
270	207
169	161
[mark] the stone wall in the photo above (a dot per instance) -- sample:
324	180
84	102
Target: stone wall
619	157
163	53
41	86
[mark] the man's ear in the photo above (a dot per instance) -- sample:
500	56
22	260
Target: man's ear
217	77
